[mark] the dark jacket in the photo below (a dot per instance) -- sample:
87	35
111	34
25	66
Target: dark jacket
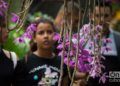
112	64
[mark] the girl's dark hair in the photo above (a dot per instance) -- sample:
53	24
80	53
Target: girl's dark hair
41	20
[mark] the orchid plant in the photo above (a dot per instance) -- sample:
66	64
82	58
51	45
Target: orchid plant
73	50
89	60
97	46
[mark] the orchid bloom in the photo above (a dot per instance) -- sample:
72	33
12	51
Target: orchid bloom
3	7
89	60
15	18
28	33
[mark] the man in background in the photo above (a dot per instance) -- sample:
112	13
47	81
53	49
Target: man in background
102	14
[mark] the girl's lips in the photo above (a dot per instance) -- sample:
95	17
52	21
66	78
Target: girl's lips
46	42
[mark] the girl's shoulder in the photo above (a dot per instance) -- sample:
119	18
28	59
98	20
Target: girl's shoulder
26	59
11	55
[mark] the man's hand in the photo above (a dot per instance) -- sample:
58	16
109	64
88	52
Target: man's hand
80	75
80	82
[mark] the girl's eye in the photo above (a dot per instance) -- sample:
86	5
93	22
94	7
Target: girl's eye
43	32
40	32
49	31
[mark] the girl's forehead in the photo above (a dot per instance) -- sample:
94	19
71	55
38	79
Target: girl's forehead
44	26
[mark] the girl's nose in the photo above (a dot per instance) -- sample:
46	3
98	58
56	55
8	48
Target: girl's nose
45	34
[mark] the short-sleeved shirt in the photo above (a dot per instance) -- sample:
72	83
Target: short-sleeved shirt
37	71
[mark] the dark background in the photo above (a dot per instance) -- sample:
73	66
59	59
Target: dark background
50	7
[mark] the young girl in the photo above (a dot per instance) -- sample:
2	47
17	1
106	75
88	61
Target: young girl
8	60
41	67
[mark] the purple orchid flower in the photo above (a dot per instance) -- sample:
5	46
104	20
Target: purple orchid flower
31	28
15	18
3	7
106	49
60	46
107	40
99	28
86	28
56	37
20	40
71	63
28	33
103	78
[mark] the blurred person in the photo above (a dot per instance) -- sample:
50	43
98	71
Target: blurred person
102	14
8	59
61	16
59	20
71	11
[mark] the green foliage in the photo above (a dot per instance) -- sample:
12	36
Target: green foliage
117	26
20	48
116	7
31	18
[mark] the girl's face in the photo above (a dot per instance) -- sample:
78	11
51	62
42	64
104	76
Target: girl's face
44	36
3	34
